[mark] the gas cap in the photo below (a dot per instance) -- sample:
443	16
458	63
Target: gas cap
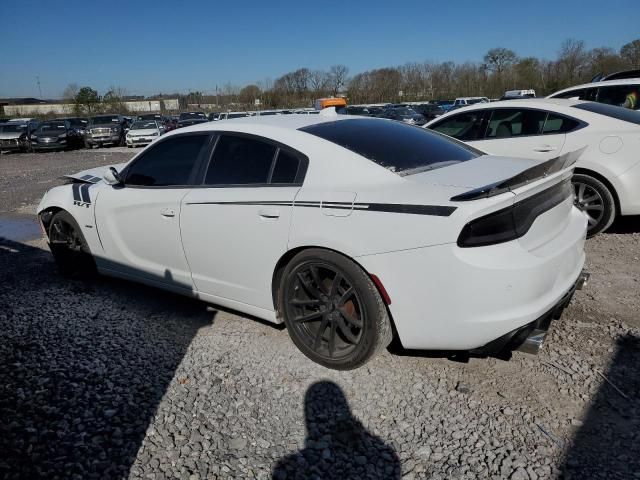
610	144
337	204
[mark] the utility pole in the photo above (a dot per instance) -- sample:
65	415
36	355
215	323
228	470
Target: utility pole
39	89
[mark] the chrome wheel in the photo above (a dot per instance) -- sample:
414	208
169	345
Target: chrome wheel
325	310
589	200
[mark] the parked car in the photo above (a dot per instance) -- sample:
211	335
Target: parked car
230	115
357	110
428	110
340	247
56	135
445	104
191	121
151	116
607	175
464	101
77	123
612	92
518	94
143	132
169	124
15	134
192	116
404	114
375	111
213	116
106	130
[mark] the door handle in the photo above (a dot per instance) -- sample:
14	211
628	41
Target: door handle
269	213
168	212
545	148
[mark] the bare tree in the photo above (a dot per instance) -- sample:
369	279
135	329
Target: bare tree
70	93
338	78
630	52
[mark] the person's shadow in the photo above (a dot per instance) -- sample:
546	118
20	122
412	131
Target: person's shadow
337	444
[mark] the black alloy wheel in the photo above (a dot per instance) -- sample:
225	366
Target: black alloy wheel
68	246
332	309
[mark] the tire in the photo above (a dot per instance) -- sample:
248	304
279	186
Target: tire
595	199
338	325
69	247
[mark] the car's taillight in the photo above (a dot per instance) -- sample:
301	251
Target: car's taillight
515	221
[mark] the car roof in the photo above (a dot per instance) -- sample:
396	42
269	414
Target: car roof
604	83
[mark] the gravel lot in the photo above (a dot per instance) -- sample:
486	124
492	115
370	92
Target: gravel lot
109	379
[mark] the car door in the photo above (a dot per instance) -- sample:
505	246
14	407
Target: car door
139	222
235	226
521	132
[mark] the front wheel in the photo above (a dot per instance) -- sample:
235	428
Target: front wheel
332	310
595	199
69	247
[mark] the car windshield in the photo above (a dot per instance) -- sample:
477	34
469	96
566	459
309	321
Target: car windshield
143	125
149	117
104	119
401	148
190	115
13	128
237	115
472	101
51	126
619	113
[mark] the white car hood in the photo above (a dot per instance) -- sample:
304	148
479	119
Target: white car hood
143	132
94	175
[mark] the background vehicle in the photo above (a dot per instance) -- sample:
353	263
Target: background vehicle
230	115
187	122
357	110
338	103
357	213
607	174
79	124
403	114
56	135
106	130
143	132
445	104
192	116
428	110
513	94
612	92
464	101
15	134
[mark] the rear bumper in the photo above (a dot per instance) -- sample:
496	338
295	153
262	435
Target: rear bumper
530	337
450	298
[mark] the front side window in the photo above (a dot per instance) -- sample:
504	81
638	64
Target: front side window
463	126
513	122
169	162
240	161
616	95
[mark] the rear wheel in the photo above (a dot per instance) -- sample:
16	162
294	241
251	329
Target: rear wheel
69	247
595	199
332	310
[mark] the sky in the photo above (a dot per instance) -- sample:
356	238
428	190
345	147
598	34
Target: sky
148	47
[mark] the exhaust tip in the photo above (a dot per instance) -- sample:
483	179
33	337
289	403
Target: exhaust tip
533	342
583	280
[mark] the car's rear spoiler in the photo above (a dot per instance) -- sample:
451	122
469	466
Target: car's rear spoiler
527	176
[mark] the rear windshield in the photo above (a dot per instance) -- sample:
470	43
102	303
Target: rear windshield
619	113
401	148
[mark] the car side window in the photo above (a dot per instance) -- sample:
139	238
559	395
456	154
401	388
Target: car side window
463	126
615	95
556	124
167	163
513	122
286	168
240	160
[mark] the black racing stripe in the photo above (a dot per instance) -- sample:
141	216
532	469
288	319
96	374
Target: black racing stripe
431	210
76	191
84	191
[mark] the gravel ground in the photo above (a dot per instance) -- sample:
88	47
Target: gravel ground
110	379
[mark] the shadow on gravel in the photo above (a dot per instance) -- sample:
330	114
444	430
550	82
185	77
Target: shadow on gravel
83	366
607	445
337	444
627	224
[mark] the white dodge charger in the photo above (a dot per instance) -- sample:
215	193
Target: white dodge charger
350	230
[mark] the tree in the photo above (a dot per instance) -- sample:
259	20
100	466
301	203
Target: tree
318	83
87	100
630	52
572	61
70	92
498	59
337	78
248	94
114	100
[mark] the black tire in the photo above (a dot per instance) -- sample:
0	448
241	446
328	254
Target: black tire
69	247
338	324
595	199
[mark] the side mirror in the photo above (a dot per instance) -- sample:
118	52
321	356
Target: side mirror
112	177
